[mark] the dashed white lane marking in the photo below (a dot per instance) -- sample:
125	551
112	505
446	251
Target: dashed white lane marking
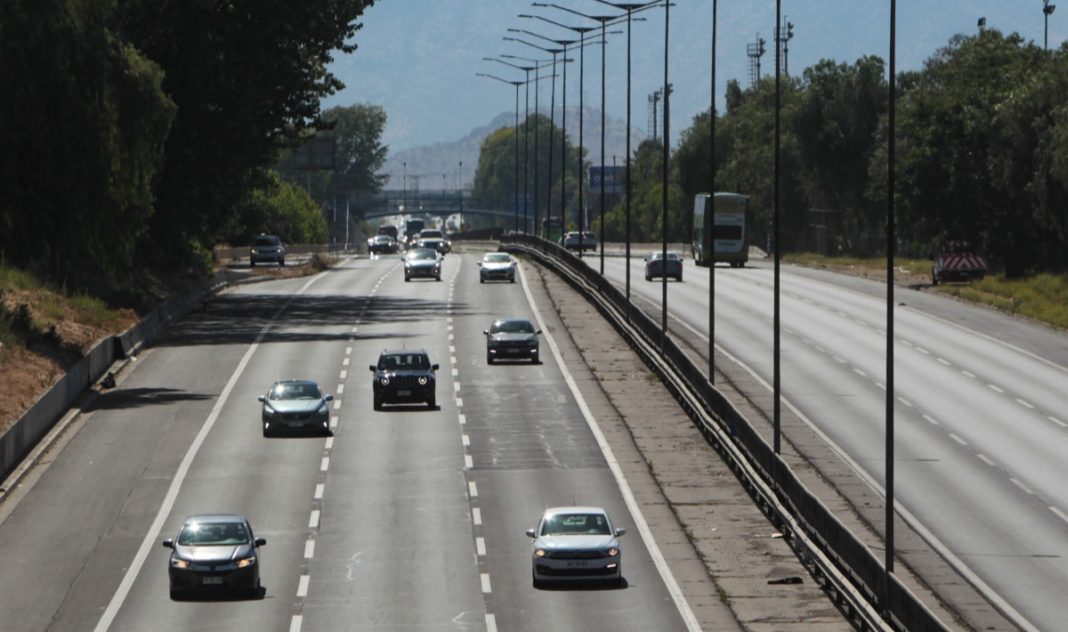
985	459
466	440
1060	514
859	372
345	362
968	374
839	360
472	489
476	516
463	419
449	319
355	329
313	520
1058	422
1020	484
995	388
319	489
486	588
480	546
348	350
906	343
932	420
491	623
337	404
923	351
309	549
451	337
343	375
302	586
905	402
340	389
459	403
295	623
957	439
333	421
469	463
324	465
881	385
452	359
455	372
450	327
1024	403
329	443
456	387
452	349
945	362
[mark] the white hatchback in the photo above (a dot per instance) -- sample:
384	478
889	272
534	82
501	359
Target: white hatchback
576	543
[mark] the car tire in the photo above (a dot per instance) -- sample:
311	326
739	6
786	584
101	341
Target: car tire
407	278
489	359
679	278
281	263
437	278
511	280
535	582
432	403
481	280
252	263
377	404
176	595
648	278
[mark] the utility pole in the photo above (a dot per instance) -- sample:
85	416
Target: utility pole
784	32
755	51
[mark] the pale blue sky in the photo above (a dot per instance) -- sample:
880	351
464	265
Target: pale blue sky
418	58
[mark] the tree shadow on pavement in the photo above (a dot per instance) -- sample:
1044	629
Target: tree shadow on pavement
139	397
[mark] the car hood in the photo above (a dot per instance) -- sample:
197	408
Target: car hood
576	542
497	265
421	263
226	553
295	405
506	337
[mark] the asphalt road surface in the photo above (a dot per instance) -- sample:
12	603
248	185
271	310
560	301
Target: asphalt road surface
404	519
981	410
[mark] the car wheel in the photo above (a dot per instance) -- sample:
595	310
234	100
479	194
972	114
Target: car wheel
648	278
437	278
378	404
407	278
535	582
511	280
481	280
489	359
679	278
252	263
176	595
432	403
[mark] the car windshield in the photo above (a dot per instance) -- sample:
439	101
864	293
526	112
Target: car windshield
576	524
382	239
656	256
213	534
403	362
266	241
432	234
423	254
497	258
295	391
512	327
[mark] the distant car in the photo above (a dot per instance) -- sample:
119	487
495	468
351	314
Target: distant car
576	543
496	266
571	241
957	261
422	263
382	244
267	248
388	229
438	243
404	376
657	267
295	404
214	551
512	338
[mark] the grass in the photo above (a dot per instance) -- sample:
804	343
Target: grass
872	264
47	306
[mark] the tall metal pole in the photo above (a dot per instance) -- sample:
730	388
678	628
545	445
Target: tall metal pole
537	155
526	149
627	167
712	192
582	111
777	407
461	196
604	54
516	181
552	116
664	187
890	246
563	144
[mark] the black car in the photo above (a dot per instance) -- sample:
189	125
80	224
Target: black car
512	339
295	404
267	248
382	244
404	376
214	551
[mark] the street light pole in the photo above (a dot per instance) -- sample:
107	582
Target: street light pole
538	65
664	186
515	188
1047	10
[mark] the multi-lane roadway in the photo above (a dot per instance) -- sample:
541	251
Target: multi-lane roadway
404	519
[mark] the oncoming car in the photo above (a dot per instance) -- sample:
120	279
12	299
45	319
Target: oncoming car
512	339
404	376
422	263
576	543
496	266
266	248
572	240
381	244
214	551
658	267
295	404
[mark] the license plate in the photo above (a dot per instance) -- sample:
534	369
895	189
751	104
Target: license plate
294	424
512	350
212	580
404	393
576	564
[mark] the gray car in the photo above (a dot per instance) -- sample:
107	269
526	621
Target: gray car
512	339
295	405
267	248
422	263
496	266
214	552
576	543
658	267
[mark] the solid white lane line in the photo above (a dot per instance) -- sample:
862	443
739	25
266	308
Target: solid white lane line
472	489
295	623
1058	422
469	463
302	586
480	546
932	420
343	375
149	541
329	443
319	489
631	502
985	459
957	439
324	465
485	583
491	623
1060	514
313	520
463	419
340	389
309	549
995	388
1024	403
1020	484
476	516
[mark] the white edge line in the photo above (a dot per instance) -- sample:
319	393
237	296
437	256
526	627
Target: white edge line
295	623
628	496
167	505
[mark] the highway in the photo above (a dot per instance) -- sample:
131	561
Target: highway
404	519
981	410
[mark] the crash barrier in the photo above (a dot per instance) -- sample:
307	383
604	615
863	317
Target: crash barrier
39	419
228	253
815	524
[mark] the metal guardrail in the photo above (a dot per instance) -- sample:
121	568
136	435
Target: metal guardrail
847	569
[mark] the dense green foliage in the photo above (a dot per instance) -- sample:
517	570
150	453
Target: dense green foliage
279	208
982	155
137	131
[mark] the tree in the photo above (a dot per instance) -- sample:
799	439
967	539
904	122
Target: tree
283	209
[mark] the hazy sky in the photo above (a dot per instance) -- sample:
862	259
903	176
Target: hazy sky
418	58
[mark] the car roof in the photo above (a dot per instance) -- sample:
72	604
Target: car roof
578	509
219	517
511	320
302	382
403	351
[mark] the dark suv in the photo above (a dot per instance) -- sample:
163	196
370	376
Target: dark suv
404	376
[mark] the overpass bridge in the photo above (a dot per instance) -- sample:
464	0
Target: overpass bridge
442	204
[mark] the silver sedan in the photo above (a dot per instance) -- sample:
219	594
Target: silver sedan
576	543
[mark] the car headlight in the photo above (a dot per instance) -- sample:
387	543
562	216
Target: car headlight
422	380
539	553
384	381
612	552
245	563
177	563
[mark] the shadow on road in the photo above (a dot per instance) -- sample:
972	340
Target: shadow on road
140	397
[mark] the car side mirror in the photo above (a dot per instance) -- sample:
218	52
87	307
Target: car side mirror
485	332
168	543
480	264
434	367
262	398
537	333
620	532
261	541
328	398
531	533
373	368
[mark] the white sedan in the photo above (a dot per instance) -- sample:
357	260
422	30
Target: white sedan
496	266
576	543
